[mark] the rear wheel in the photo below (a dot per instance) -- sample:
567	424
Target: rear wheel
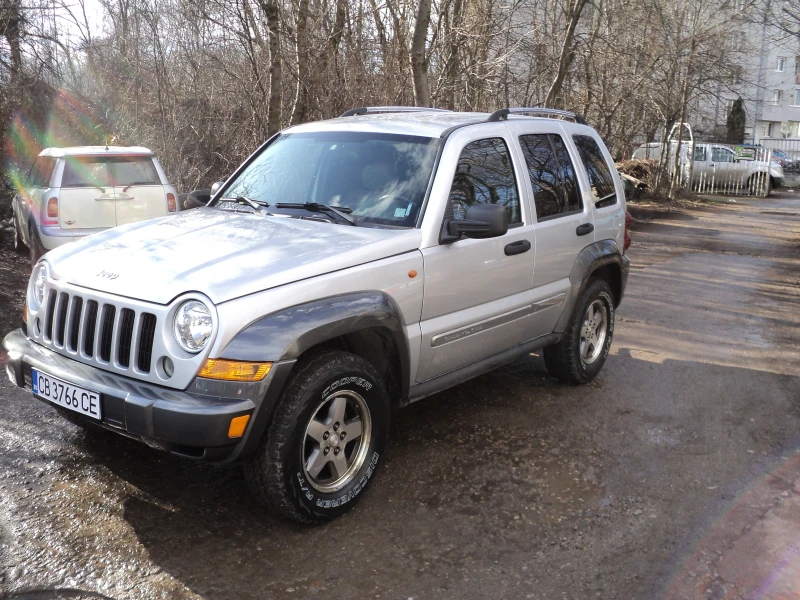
580	355
34	244
325	441
19	246
760	185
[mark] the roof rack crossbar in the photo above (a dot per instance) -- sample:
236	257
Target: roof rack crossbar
364	110
502	114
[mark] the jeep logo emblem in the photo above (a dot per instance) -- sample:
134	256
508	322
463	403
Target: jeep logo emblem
107	274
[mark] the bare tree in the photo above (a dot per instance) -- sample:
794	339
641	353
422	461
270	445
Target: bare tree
567	51
419	65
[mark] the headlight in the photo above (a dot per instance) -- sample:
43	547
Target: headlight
193	325
38	279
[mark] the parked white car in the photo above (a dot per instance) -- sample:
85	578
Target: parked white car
73	192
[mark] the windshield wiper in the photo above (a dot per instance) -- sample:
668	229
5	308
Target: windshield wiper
125	189
339	211
254	204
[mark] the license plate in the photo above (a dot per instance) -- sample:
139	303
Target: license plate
65	394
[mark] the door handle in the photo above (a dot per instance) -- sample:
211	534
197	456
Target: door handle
585	229
518	247
114	197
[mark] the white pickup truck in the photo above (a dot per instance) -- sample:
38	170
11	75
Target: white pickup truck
721	168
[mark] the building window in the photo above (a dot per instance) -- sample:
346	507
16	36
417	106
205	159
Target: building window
776	97
796	98
729	106
781	64
767	129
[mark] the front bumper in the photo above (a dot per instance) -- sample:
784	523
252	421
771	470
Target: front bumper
192	423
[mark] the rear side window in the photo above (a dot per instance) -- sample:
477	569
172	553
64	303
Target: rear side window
600	179
86	171
41	172
485	175
700	153
555	187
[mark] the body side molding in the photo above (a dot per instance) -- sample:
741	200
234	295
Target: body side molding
448	380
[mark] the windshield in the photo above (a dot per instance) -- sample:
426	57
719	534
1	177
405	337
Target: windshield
379	179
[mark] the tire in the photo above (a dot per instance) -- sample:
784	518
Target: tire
34	244
757	188
289	471
19	245
568	360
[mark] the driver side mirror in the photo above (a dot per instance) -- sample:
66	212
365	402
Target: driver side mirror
216	187
481	221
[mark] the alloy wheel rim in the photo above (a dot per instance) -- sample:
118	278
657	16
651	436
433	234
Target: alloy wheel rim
594	331
336	441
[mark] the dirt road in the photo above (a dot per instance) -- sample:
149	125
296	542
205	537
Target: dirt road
676	474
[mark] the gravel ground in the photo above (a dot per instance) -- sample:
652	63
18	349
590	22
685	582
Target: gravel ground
675	474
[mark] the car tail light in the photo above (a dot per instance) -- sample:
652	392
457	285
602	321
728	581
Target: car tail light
627	243
52	208
172	206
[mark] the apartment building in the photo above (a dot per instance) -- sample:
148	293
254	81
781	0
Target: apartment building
770	81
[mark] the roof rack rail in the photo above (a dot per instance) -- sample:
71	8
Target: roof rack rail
502	114
364	110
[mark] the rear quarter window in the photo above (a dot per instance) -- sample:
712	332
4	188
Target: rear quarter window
41	172
601	181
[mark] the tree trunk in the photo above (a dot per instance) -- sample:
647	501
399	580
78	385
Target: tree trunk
452	63
301	97
566	54
11	31
419	65
684	104
271	10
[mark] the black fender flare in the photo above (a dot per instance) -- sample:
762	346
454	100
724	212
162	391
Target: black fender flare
591	258
286	334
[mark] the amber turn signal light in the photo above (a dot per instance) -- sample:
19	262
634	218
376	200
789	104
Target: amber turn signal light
234	370
25	313
238	425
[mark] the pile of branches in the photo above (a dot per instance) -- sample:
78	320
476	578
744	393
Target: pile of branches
643	169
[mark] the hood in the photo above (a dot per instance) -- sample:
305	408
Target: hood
222	254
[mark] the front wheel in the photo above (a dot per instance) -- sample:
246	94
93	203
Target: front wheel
326	439
580	355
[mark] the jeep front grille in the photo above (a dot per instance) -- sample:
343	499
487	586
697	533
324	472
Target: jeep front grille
112	335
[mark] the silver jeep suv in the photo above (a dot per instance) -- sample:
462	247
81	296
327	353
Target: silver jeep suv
347	268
